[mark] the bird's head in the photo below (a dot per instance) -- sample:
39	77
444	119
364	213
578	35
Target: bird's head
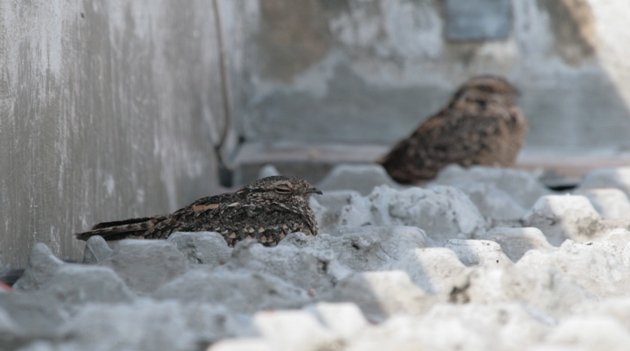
488	85
280	188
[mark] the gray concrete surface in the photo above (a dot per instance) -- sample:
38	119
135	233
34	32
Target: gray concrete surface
107	110
367	71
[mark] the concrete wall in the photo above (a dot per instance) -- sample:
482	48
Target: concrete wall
367	71
107	110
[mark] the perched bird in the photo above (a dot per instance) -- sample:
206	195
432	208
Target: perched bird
481	125
266	210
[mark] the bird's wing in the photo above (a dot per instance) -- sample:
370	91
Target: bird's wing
207	203
487	134
161	226
120	223
414	158
451	136
456	138
122	229
204	213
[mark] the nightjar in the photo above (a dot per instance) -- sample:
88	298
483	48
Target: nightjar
481	125
266	210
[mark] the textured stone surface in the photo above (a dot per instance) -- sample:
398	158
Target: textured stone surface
434	269
307	268
42	265
340	208
202	247
594	333
369	248
610	203
145	265
360	178
167	325
29	316
443	212
240	290
345	319
381	294
295	330
268	171
78	284
501	194
478	252
559	283
250	344
608	178
515	242
563	217
96	250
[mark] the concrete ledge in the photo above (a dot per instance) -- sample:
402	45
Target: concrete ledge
314	160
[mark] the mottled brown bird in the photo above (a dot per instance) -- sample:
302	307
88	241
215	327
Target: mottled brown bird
481	125
266	210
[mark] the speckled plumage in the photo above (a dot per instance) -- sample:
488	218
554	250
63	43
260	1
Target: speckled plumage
481	125
266	210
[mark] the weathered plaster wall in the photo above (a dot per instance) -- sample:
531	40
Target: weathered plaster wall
107	110
367	71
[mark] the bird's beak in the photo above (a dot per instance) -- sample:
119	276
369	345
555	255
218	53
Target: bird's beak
315	191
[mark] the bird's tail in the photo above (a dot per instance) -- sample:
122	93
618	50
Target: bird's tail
121	229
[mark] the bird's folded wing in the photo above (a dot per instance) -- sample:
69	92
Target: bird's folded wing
210	203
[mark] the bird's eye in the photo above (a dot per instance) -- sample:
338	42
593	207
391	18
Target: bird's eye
282	189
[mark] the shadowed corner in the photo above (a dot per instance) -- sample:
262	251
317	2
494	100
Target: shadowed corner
9	276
